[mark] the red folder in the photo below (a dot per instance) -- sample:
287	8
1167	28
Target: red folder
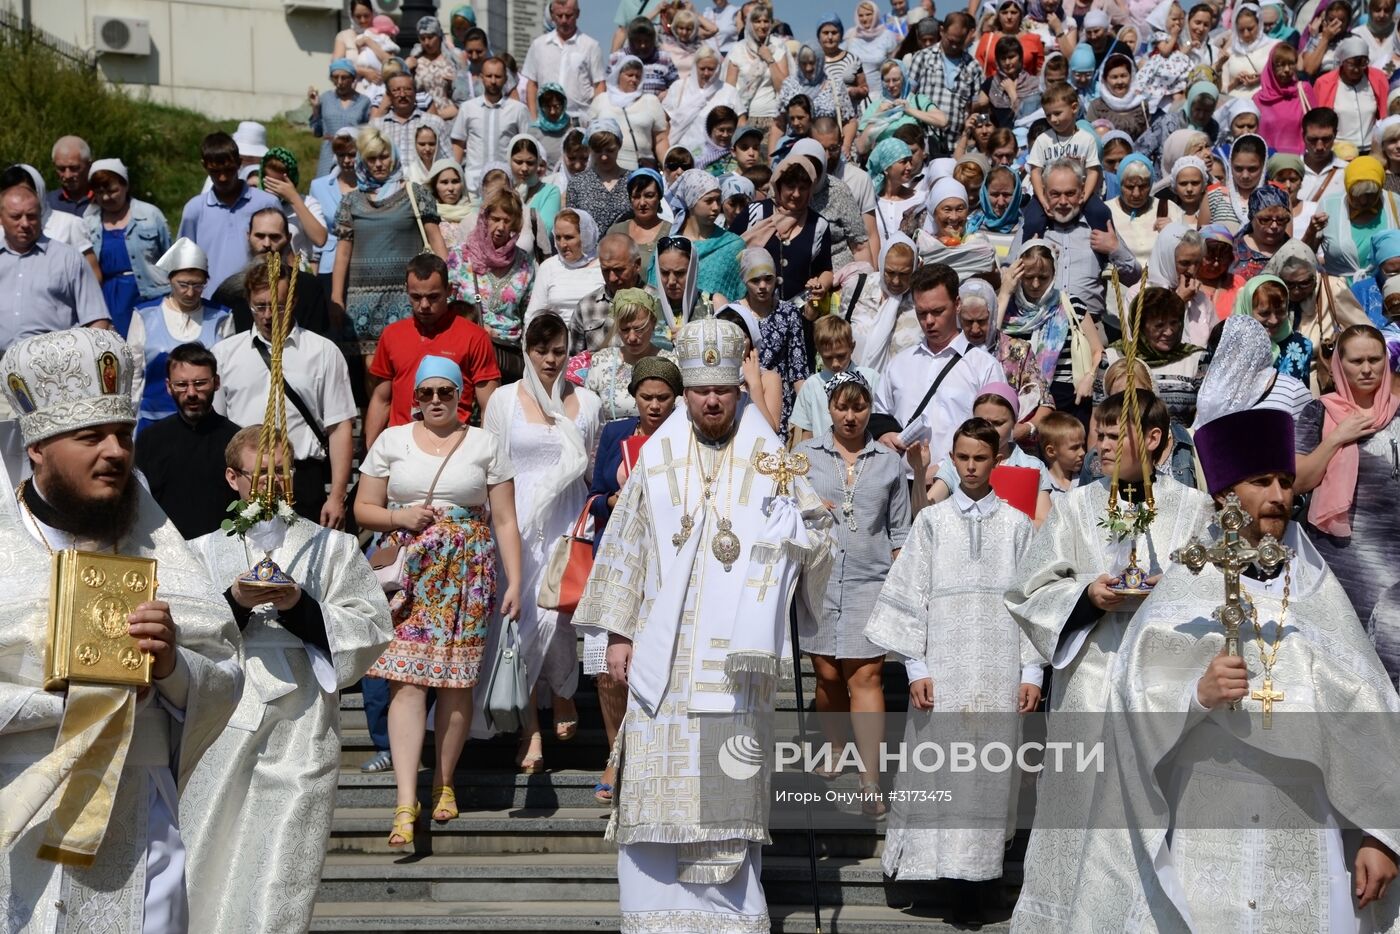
631	450
1018	486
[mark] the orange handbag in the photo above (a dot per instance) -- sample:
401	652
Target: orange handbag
570	563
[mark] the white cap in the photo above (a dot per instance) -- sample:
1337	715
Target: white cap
115	166
1096	19
183	254
251	138
1352	47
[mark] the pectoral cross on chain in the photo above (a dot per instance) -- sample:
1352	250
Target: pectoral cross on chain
1267	695
782	465
1231	554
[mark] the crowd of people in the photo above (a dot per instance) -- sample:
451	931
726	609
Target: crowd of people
998	266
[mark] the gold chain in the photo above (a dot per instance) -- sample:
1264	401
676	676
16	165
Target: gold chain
1269	654
19	495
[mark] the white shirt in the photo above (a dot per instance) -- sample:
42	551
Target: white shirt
559	289
1356	107
301	243
312	365
478	463
912	372
67	228
1311	180
726	32
485	130
576	64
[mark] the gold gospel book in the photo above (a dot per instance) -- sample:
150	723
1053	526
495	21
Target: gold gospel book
90	598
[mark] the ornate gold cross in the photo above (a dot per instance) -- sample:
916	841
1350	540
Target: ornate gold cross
782	465
1231	554
1267	695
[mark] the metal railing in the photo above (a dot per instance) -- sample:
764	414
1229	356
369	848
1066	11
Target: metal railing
29	34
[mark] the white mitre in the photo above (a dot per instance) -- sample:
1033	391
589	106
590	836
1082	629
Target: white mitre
66	380
710	352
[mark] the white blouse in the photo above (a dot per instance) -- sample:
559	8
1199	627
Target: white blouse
478	462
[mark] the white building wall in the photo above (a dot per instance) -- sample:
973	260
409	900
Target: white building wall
229	59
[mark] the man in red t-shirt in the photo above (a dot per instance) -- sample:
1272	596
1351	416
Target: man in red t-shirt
434	329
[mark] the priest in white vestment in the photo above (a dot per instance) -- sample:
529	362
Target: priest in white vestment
1063	603
90	776
1278	816
693	581
258	808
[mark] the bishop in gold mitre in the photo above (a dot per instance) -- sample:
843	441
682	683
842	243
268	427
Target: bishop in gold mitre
714	535
90	773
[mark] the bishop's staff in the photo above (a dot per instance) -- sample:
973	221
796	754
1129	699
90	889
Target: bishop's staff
1231	554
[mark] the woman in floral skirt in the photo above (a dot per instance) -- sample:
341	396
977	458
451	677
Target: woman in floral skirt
438	513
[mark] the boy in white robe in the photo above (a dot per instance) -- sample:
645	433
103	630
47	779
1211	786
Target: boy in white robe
942	608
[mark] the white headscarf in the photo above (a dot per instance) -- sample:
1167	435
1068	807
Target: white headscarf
1241	370
1261	39
1161	266
873	348
573	455
945	189
620	98
587	234
1132	101
677	318
691	101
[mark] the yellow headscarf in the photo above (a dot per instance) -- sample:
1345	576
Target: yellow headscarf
1364	169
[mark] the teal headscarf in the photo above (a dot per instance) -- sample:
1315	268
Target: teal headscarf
1199	89
885	155
1244	305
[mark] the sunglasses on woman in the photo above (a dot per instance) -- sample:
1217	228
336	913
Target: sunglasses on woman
429	393
674	243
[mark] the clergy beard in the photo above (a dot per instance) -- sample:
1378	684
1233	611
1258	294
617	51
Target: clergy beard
64	507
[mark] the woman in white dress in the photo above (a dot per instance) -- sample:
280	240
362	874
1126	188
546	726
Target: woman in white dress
548	428
757	68
690	100
1250	48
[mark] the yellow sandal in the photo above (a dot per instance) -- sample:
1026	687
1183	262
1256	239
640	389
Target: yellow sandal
446	800
403	826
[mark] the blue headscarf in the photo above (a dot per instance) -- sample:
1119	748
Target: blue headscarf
546	124
1131	159
986	217
1082	58
434	367
370	185
342	64
885	155
831	19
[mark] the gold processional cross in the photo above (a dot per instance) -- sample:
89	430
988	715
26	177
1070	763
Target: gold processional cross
1231	554
782	465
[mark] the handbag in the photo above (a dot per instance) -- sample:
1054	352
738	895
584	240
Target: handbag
387	559
413	203
570	562
507	696
1081	355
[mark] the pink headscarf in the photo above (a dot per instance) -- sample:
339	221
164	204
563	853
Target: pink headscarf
1330	512
1281	109
483	254
1007	392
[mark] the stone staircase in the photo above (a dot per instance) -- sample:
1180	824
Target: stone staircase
527	852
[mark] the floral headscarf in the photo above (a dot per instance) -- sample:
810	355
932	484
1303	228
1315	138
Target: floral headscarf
379	190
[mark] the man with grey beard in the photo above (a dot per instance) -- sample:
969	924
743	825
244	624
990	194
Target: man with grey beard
1083	253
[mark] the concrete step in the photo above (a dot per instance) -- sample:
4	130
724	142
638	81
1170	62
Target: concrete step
528	878
547	830
588	749
570	916
480	789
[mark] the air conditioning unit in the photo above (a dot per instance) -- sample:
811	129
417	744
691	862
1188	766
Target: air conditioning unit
122	35
319	6
388	7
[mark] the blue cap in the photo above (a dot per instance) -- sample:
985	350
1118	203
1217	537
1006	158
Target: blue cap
431	367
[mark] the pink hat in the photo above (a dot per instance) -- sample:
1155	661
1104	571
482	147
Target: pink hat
1006	392
384	25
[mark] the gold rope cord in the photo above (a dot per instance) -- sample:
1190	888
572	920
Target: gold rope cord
274	438
1130	415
